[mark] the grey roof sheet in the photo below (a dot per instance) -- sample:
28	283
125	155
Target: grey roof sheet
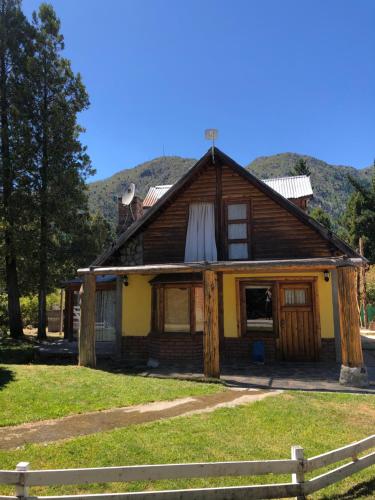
297	186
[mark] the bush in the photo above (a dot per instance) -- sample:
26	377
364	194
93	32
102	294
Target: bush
29	307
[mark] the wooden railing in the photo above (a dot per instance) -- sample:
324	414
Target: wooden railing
23	478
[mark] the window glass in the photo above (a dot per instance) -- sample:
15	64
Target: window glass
177	311
237	231
199	309
295	296
259	309
237	211
237	251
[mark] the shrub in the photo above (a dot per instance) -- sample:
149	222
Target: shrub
29	307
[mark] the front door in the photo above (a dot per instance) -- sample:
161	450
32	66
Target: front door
298	338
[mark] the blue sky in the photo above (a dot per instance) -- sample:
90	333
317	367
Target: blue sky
271	75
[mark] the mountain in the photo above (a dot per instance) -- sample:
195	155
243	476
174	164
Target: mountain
330	182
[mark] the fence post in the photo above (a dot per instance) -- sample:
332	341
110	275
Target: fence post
298	478
21	490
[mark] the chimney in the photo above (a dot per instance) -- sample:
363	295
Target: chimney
127	214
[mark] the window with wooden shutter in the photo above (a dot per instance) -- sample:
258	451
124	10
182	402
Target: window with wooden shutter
237	217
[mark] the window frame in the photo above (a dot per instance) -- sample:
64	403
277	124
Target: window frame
158	307
249	239
242	284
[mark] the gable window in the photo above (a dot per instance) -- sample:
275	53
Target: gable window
200	237
237	230
177	307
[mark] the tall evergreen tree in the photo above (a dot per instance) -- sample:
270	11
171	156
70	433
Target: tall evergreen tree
14	46
301	168
359	217
61	162
321	216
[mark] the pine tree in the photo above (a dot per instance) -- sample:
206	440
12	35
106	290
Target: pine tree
321	216
61	163
359	217
14	46
301	168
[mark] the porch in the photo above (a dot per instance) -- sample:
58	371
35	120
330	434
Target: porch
296	318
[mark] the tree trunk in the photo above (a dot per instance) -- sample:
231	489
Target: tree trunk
11	275
43	243
211	340
87	354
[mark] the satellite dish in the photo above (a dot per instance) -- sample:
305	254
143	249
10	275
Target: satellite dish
128	196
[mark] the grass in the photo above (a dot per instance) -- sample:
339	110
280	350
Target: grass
263	430
37	392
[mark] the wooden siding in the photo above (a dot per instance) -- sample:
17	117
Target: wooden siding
164	239
275	232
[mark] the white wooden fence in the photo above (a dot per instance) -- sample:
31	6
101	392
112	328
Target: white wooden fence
22	478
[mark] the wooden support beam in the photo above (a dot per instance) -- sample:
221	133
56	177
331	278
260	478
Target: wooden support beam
353	371
211	325
87	355
351	349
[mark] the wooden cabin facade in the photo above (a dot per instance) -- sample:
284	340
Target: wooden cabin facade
224	269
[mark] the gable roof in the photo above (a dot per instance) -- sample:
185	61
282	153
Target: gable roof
293	187
223	159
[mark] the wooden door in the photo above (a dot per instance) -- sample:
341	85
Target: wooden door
298	332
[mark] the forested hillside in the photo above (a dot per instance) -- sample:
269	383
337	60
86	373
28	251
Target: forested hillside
330	183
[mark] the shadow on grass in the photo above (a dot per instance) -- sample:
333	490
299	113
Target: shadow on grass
6	376
361	490
16	351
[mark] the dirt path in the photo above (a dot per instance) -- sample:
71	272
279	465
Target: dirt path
99	421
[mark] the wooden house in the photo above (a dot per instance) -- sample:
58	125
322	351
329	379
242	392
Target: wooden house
223	268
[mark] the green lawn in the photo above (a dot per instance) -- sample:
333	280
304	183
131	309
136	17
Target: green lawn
262	430
37	392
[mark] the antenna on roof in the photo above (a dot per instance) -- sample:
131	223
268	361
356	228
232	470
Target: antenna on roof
211	134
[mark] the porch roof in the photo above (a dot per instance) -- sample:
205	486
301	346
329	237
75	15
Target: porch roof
314	264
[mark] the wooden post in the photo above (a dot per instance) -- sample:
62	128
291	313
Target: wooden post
364	291
21	490
211	325
353	371
87	355
118	321
61	310
297	453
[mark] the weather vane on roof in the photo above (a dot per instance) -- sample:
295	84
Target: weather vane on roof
211	135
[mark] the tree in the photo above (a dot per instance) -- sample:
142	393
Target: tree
321	216
359	216
61	163
14	48
301	168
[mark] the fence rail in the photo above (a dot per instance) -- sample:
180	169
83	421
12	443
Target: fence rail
22	478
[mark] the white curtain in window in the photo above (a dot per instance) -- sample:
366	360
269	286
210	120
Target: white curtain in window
200	237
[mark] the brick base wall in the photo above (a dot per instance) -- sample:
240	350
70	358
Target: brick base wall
176	347
135	350
328	350
239	349
188	349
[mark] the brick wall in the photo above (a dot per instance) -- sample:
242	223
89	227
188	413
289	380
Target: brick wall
328	350
176	347
187	349
239	349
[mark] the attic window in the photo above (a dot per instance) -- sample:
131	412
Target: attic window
237	229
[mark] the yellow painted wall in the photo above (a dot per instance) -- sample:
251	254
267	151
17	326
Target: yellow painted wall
324	292
136	306
136	317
